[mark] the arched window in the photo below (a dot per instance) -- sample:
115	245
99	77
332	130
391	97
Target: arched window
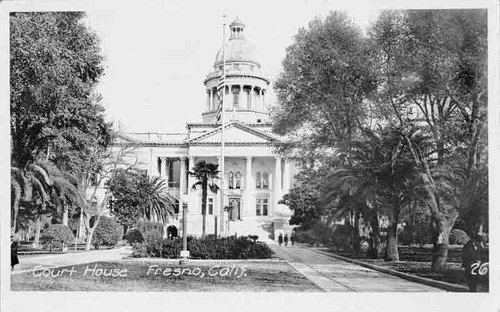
265	180
258	182
231	180
237	183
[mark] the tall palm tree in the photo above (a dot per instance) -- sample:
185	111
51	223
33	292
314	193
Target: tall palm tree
205	173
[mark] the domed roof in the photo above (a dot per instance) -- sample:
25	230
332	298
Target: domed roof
237	48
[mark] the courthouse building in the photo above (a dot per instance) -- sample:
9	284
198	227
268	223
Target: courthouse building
255	179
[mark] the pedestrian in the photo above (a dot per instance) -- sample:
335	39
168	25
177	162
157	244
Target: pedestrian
292	238
286	240
471	254
14	243
280	239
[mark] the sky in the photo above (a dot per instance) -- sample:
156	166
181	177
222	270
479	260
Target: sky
158	53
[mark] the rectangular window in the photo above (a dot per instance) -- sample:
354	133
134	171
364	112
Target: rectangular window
262	206
210	206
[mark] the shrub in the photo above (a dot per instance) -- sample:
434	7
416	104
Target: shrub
342	236
57	235
458	237
225	248
108	232
406	237
152	235
134	236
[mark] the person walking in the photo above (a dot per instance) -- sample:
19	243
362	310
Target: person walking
280	239
471	253
286	240
13	252
292	239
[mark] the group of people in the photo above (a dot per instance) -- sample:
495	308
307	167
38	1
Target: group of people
282	239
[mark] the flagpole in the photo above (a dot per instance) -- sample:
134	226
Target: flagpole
222	221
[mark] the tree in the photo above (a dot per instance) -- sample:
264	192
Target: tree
432	77
322	90
108	232
136	196
205	173
125	200
55	63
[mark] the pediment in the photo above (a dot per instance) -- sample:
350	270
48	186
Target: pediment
233	133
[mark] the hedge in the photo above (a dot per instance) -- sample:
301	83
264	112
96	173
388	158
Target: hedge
223	248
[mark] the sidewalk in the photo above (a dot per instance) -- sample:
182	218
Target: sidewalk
28	263
334	275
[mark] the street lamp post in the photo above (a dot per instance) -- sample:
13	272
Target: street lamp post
184	251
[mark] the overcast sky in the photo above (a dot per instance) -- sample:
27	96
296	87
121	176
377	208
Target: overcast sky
158	52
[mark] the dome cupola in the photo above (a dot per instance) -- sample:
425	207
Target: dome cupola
237	48
245	85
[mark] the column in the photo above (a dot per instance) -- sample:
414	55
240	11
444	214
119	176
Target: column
277	183
250	98
167	169
286	177
211	101
182	182
249	186
264	106
191	194
161	166
261	96
208	101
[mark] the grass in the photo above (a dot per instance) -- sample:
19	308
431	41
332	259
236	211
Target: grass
258	276
417	261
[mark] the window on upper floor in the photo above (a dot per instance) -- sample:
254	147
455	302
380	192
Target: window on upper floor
262	180
231	180
237	182
262	206
210	206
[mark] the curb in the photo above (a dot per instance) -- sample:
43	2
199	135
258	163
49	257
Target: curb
413	278
129	258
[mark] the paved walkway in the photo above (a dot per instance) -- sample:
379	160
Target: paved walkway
27	263
333	275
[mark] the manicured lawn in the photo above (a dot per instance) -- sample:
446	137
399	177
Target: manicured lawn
417	261
255	276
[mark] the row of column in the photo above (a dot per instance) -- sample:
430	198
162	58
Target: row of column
237	99
280	183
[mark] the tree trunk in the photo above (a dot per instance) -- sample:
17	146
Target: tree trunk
204	207
65	215
88	244
356	237
375	248
391	248
441	242
38	228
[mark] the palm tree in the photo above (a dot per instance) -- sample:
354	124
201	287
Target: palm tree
205	173
157	203
30	184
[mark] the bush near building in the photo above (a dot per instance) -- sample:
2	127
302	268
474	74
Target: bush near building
223	248
107	233
458	237
134	236
57	236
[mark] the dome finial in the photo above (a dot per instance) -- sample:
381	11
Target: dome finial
237	27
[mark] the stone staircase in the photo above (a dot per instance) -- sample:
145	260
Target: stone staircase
263	229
